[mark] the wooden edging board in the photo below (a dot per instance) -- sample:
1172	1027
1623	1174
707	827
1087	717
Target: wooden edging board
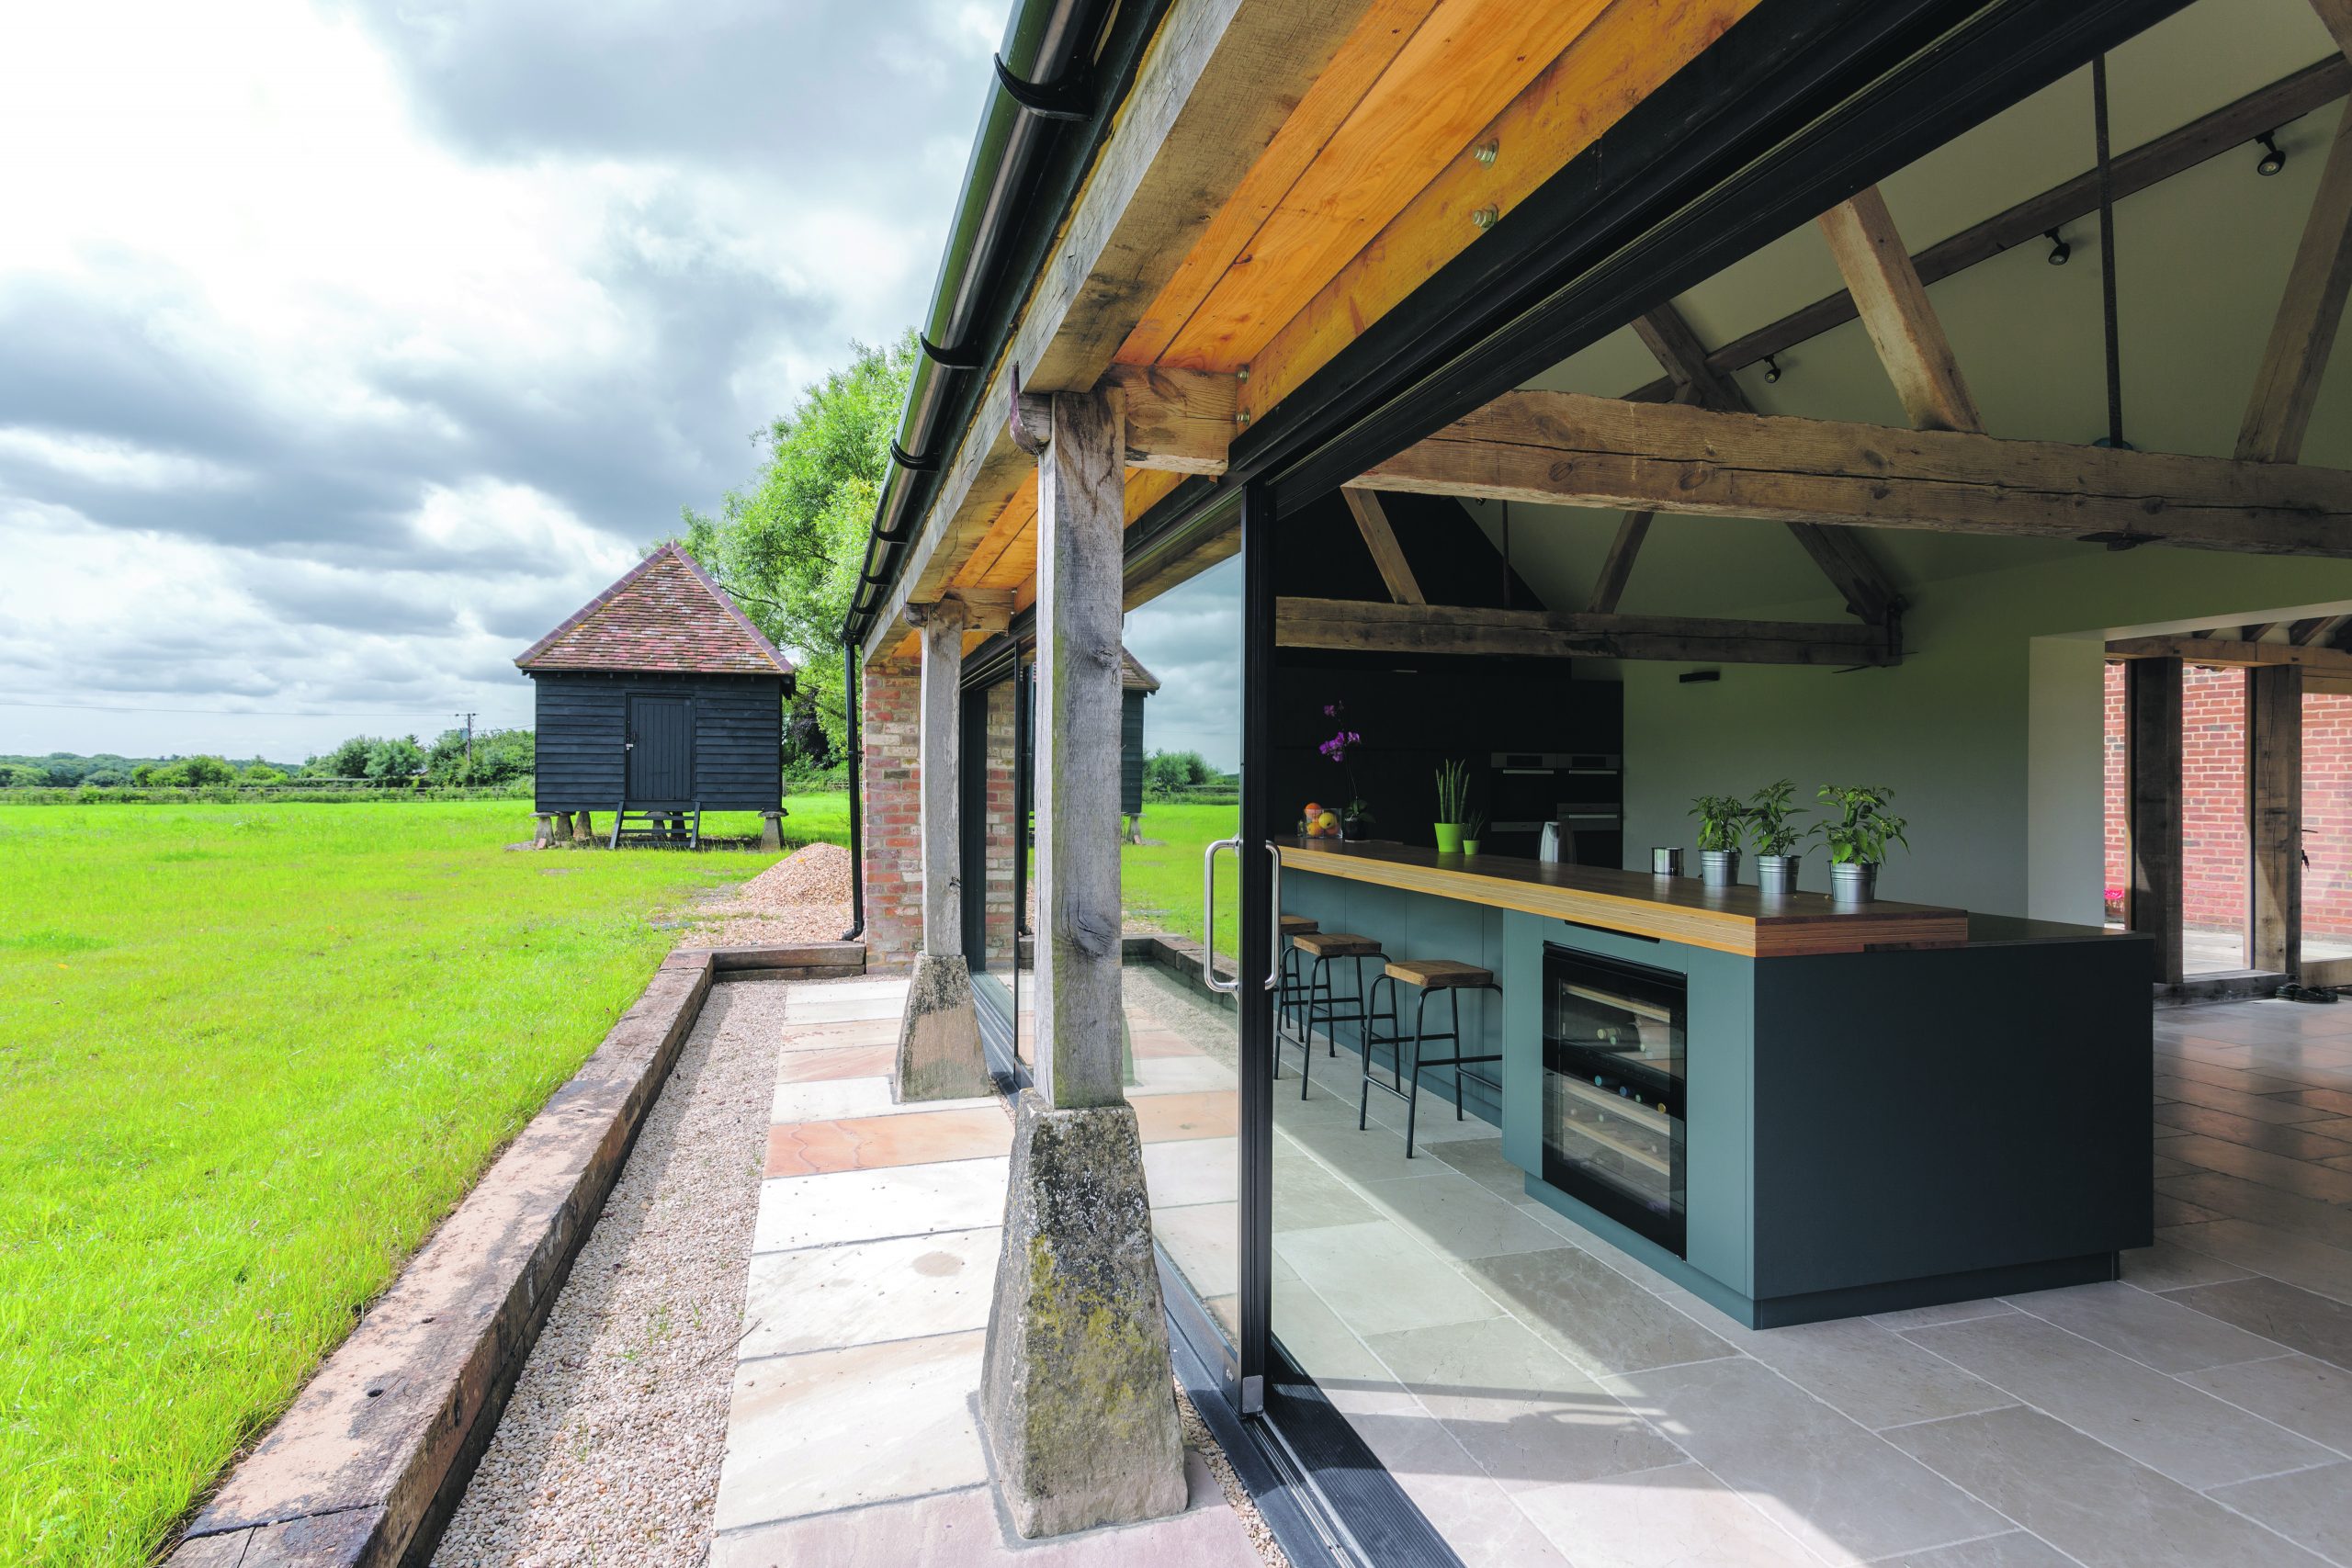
367	1466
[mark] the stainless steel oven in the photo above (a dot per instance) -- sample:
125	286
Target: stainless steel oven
1614	1047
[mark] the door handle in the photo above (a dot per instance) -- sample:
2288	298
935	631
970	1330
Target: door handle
1208	918
1275	948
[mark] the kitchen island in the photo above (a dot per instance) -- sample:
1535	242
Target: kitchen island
1796	1110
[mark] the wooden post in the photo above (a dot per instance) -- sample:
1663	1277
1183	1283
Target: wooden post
937	736
1081	519
2274	794
2151	792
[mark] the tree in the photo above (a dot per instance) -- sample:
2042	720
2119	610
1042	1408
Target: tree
143	775
790	547
388	761
349	760
22	775
259	772
1166	772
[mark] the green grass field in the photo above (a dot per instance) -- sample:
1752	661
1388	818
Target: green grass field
1160	879
249	1055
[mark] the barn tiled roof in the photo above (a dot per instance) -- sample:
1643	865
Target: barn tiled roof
664	615
1133	676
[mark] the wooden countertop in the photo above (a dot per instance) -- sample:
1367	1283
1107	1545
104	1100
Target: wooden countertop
1671	908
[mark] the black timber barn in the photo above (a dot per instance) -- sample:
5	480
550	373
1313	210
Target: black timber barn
658	694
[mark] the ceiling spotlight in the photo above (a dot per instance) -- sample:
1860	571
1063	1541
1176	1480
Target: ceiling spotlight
2273	160
1771	367
2058	249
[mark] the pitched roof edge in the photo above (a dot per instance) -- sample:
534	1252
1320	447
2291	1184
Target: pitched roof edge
525	659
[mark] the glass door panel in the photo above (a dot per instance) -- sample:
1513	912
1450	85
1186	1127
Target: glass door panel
2327	838
1180	787
2217	850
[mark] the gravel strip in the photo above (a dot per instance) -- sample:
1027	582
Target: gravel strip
803	897
609	1450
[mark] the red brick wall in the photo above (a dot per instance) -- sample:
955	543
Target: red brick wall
998	824
890	701
2213	802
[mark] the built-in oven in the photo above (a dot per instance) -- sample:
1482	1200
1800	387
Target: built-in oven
1614	1041
1581	794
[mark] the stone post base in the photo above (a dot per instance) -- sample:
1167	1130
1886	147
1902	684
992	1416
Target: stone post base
1075	1393
546	833
771	830
584	830
939	1037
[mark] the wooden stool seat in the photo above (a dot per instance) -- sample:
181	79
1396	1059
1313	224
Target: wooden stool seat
1438	974
1294	925
1335	944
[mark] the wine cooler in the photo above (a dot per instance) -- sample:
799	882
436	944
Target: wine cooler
1614	1050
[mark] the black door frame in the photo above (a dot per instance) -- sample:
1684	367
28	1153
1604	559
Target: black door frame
629	752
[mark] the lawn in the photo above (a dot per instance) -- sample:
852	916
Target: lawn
1160	878
249	1055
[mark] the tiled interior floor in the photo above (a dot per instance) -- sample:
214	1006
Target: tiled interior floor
1546	1398
852	1435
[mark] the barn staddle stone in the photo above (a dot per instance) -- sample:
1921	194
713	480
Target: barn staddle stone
939	1035
1075	1395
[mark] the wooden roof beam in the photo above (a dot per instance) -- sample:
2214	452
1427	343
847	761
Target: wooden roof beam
2227	654
1364	624
1869	593
1902	324
1380	538
2303	333
2150	163
1565	448
2337	16
1609	586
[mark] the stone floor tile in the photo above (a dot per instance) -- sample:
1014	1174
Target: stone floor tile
836	1100
2163	1423
2239	1104
1864	1371
869	1205
1191	1170
1461	1501
870	1143
823	1297
1593	1314
836	1062
845	1001
2099	1506
2174	1261
2335	1101
1457	1217
2287	1173
1481	1160
2238	1075
1674	1516
1380	1278
2296	1319
1203	1240
2164	1334
1188	1074
1320	1340
1845	1492
2301	1393
1308	1197
1935	1316
2017	1548
1377	1154
800	1037
841	1429
1518	1407
2171	1210
1165	1117
2310	1507
2231	1197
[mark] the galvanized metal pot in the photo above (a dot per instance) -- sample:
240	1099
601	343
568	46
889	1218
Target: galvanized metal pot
1856	882
1719	868
1775	876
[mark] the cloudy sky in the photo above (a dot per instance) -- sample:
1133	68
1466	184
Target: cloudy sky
346	347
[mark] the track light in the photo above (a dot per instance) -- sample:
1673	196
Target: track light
2273	160
2058	249
1771	367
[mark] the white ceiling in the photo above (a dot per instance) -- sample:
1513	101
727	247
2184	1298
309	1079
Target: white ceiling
2200	261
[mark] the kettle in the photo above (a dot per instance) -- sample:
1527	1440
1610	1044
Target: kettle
1548	847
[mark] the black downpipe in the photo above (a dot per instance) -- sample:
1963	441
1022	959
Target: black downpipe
1042	86
856	766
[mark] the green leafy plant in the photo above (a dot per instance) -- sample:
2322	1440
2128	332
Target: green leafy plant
1452	791
1863	827
1723	820
1770	814
1472	823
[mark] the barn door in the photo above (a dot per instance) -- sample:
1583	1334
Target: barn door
661	749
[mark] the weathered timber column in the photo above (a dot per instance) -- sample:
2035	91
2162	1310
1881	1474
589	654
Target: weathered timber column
2152	796
2274	799
1076	1395
939	1035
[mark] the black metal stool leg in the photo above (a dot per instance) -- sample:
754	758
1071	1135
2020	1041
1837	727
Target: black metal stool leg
1413	1085
1454	995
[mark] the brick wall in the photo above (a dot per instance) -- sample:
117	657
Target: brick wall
891	702
997	824
2213	825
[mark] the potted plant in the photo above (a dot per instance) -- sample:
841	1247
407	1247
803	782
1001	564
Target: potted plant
1857	839
1452	805
1722	822
1471	825
1354	819
1772	830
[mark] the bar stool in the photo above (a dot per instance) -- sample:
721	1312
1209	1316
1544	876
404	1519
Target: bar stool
1290	992
1430	974
1323	1003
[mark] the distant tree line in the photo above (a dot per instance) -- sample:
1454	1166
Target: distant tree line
1172	776
65	770
498	756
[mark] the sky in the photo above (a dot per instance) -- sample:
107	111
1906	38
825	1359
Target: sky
346	348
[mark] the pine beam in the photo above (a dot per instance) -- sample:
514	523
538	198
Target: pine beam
1609	586
1361	626
2222	653
1380	538
1902	324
